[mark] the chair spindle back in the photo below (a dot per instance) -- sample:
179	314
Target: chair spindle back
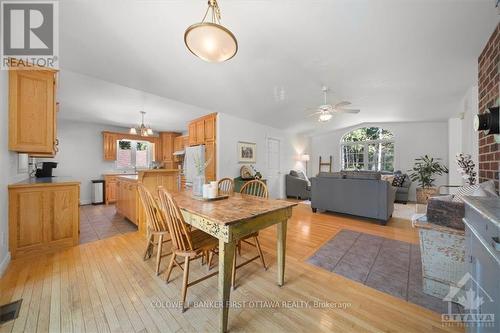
178	229
155	219
256	188
226	186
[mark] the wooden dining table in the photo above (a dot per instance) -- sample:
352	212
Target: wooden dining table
231	219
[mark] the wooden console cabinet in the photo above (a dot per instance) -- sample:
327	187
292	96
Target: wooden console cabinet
44	216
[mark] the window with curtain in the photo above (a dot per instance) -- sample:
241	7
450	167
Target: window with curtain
368	148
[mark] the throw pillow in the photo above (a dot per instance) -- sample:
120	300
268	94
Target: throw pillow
398	180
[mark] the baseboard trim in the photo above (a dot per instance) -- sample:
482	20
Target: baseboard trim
3	265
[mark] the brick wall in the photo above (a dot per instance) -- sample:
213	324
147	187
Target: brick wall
489	90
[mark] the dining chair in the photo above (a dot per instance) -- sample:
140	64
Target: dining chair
225	186
186	242
259	189
155	225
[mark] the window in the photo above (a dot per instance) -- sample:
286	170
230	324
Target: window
368	148
133	154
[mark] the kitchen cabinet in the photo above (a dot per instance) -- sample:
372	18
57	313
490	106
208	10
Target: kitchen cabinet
110	189
210	156
209	128
32	112
43	216
109	146
179	143
127	199
168	147
202	131
192	133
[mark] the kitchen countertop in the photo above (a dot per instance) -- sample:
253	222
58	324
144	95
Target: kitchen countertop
29	182
129	177
489	208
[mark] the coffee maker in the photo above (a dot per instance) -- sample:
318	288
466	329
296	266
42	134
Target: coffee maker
46	170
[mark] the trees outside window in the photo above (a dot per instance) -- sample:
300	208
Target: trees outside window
368	148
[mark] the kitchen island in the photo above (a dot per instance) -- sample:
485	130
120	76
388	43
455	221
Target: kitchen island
44	215
127	198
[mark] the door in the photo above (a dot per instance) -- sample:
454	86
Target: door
274	181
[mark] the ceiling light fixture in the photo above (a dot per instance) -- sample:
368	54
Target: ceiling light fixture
211	41
142	129
324	117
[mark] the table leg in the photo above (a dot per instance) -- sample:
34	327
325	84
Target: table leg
281	252
226	255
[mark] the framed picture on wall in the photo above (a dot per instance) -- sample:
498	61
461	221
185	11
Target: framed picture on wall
247	152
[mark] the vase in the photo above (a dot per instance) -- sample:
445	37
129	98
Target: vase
423	194
198	182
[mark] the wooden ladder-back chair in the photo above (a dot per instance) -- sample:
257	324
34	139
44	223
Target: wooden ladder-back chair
155	224
259	189
186	242
225	186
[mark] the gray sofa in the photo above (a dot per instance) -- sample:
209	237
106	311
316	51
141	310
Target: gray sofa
355	193
297	186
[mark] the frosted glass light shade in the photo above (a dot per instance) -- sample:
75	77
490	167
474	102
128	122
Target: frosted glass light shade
325	117
211	42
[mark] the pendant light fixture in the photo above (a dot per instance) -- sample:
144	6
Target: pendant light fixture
142	129
211	41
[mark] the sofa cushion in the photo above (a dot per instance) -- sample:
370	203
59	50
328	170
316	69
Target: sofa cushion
361	175
336	175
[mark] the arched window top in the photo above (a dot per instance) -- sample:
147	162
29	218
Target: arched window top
368	148
367	134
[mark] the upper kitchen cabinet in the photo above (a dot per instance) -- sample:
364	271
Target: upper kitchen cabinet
109	146
32	112
202	130
167	140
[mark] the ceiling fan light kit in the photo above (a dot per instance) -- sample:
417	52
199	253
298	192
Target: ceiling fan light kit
325	112
211	41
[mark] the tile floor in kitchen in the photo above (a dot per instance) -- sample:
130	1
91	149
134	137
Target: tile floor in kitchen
102	221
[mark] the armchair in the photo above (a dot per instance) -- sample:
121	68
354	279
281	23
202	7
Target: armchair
403	191
297	185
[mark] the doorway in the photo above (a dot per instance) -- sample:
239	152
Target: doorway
274	180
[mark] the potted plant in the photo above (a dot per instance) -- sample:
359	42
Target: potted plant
423	172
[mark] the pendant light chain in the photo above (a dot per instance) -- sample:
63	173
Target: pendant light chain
216	16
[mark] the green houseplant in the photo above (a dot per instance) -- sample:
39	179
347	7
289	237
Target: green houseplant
423	172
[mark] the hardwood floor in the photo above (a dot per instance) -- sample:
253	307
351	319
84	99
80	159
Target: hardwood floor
105	286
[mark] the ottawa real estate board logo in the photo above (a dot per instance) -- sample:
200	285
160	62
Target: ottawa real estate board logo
475	301
30	34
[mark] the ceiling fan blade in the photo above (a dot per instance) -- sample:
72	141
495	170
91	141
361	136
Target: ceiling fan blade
341	104
348	110
314	114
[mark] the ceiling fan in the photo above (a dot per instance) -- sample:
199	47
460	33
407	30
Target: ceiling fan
325	112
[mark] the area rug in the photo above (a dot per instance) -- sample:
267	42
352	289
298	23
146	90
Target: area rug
390	266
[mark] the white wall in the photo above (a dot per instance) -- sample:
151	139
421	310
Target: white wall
231	129
412	140
8	174
454	148
80	153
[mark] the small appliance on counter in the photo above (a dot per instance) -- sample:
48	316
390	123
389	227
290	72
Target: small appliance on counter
46	170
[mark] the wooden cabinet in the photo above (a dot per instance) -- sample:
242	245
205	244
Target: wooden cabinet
179	143
202	131
127	199
43	217
168	147
192	133
209	128
32	111
210	156
110	189
109	146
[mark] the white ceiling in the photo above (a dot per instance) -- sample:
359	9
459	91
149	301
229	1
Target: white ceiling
396	60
